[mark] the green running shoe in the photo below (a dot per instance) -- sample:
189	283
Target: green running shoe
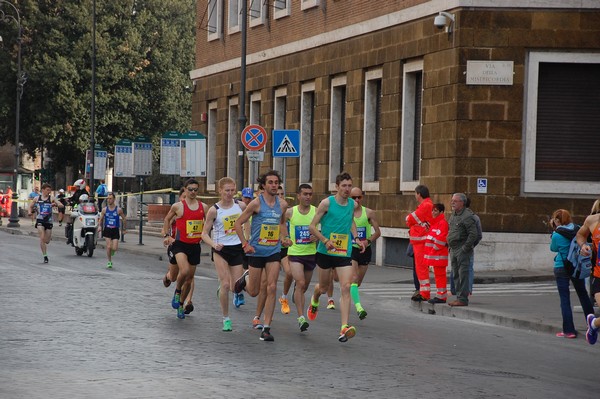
226	325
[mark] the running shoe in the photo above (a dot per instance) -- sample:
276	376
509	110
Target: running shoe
256	324
361	313
566	335
347	333
240	284
241	298
312	311
331	304
265	335
285	306
109	265
180	312
166	281
188	308
236	300
175	300
45	259
591	335
302	323
226	325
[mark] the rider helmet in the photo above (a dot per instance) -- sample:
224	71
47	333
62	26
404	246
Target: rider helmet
80	184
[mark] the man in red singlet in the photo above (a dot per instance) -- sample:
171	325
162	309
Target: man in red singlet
189	217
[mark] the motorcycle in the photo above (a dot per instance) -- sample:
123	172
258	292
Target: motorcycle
84	229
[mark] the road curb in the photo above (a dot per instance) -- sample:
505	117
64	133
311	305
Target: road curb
484	316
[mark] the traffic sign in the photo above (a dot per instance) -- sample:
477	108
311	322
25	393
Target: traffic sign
254	137
255	156
482	185
286	143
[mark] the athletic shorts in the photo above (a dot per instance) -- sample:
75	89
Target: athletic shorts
192	251
308	261
171	255
283	252
111	233
233	254
259	262
245	261
364	258
45	225
595	285
331	262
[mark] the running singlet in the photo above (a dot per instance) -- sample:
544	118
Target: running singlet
299	233
336	225
189	226
223	231
44	208
596	245
363	227
111	218
264	231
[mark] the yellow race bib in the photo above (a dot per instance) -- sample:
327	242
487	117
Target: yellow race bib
193	228
340	244
228	222
269	235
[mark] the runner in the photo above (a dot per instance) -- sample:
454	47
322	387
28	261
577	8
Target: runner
335	214
190	215
109	224
264	247
42	206
303	249
227	252
368	231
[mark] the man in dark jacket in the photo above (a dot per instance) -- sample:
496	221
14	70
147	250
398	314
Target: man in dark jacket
461	239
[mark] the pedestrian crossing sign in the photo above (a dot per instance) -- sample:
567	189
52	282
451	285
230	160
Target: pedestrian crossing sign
286	143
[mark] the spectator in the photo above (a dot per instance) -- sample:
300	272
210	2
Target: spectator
101	193
472	259
32	198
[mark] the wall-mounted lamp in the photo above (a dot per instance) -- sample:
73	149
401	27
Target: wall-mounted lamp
192	88
441	21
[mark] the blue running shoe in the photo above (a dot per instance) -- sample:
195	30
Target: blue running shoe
181	312
175	301
241	298
591	335
236	300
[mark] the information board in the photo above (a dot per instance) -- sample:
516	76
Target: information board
123	159
170	154
142	156
193	154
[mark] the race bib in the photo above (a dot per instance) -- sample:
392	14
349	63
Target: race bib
269	235
302	235
228	222
45	209
111	222
340	244
362	232
193	228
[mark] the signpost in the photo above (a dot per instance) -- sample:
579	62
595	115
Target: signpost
123	159
254	138
170	153
100	159
142	166
193	154
286	144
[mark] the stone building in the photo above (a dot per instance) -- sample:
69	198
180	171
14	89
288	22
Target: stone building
499	100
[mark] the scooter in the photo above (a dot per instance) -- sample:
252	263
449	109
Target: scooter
84	228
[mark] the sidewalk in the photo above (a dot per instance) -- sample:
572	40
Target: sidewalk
539	313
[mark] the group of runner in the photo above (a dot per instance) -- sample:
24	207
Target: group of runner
262	232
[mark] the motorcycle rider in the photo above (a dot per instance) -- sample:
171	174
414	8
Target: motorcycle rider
74	201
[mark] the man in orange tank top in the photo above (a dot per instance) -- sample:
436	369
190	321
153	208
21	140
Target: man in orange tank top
189	217
592	226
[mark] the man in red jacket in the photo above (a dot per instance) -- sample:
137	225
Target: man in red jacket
418	223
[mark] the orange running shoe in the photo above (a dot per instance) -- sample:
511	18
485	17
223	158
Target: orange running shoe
346	333
285	306
312	311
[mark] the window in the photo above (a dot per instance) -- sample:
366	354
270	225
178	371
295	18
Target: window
211	148
337	129
412	92
258	12
372	130
279	122
306	4
282	8
233	136
215	17
562	141
234	12
306	132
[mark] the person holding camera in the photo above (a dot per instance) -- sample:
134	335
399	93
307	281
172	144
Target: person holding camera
563	231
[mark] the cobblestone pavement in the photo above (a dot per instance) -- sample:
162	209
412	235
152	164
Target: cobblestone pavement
73	329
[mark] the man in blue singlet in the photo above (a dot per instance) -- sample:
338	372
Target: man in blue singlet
109	224
42	206
264	247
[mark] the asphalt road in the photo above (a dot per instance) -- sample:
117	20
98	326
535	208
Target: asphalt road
73	329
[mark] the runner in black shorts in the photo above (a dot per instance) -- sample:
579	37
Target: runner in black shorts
110	221
42	206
